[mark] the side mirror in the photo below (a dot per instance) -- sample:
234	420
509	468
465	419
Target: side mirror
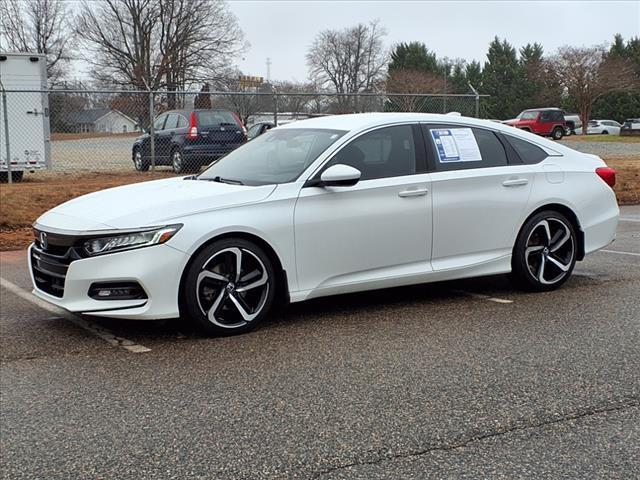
340	176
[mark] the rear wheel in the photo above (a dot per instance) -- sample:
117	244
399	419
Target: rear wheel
177	161
229	288
604	132
545	252
557	133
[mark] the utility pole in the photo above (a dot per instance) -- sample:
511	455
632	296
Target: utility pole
268	70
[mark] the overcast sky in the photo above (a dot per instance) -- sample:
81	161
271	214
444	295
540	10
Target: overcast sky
283	30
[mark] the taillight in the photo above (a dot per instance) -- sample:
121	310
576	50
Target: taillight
239	122
607	174
192	134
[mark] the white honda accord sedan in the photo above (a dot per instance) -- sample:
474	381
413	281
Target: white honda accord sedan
328	206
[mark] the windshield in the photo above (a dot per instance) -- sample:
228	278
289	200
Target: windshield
528	115
214	118
277	156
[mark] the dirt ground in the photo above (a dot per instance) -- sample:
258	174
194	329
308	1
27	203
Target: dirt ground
22	203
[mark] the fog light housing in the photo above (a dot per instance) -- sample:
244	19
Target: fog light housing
117	291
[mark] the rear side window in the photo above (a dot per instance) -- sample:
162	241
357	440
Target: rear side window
216	118
528	152
172	121
461	148
182	122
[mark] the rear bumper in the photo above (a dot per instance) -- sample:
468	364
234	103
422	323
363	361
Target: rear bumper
207	152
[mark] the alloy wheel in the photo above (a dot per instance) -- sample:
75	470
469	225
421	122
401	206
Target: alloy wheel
232	287
549	251
176	159
137	160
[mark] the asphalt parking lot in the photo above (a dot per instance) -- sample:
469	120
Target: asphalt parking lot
467	379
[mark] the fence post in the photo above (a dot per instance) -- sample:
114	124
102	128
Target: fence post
275	107
475	92
152	133
6	134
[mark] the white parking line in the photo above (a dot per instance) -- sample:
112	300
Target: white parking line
621	253
483	297
96	330
624	219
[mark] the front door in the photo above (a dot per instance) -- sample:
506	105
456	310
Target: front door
376	231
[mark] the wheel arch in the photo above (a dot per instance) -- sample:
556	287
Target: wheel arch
281	280
570	214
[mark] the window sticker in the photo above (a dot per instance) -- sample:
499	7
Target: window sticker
456	145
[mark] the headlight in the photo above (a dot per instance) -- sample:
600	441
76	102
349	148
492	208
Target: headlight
130	240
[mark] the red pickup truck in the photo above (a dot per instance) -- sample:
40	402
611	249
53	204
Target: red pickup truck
548	122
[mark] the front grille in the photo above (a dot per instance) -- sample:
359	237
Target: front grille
49	265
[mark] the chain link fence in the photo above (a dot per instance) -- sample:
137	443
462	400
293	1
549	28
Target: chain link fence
84	131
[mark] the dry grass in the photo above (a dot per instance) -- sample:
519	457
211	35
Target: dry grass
603	138
627	179
22	203
84	136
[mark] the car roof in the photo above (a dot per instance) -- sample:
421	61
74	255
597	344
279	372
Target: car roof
363	121
544	109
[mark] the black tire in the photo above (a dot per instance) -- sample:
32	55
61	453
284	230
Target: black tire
177	161
557	133
16	177
139	162
217	299
536	245
605	132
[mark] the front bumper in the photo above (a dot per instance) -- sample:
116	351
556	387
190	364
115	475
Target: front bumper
157	269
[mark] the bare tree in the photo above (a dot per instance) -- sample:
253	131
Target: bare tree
38	26
348	61
152	44
294	97
412	83
589	73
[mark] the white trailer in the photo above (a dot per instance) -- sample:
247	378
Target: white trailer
24	114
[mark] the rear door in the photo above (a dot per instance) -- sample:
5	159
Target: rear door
479	195
164	138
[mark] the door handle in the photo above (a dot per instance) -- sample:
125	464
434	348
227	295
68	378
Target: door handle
417	192
515	182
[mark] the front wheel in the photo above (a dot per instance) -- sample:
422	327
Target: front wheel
139	162
557	133
604	132
229	287
545	252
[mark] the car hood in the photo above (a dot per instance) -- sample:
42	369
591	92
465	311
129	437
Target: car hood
149	203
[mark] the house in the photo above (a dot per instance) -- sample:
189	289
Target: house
102	120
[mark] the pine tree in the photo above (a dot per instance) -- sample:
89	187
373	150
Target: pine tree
501	78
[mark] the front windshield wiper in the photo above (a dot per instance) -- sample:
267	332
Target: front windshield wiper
219	179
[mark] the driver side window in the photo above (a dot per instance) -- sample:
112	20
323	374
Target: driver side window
386	152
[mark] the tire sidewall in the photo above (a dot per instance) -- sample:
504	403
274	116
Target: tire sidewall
557	133
142	165
180	168
520	270
189	301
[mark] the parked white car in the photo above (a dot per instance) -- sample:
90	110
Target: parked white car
601	127
327	206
